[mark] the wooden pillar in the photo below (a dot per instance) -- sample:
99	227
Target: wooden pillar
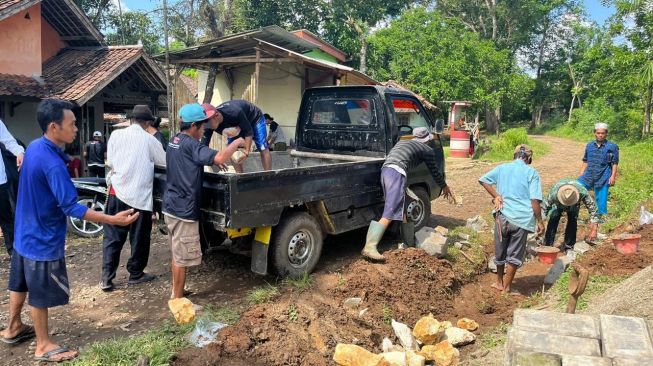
257	73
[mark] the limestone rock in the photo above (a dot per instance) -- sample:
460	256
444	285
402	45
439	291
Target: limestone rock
428	330
432	242
395	358
414	359
446	324
402	331
581	247
353	355
459	337
386	345
443	353
352	302
491	266
477	223
467	324
182	309
442	230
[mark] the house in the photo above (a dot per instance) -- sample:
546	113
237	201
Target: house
270	67
49	48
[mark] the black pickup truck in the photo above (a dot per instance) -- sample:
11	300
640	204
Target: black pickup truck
329	184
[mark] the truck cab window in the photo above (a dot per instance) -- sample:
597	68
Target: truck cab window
351	112
408	113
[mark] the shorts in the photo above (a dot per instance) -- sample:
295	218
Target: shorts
184	240
46	282
509	242
394	188
260	134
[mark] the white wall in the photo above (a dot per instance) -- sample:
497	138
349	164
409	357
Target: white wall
23	125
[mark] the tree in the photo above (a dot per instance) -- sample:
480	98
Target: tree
134	27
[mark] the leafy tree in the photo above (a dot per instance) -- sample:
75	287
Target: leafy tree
134	27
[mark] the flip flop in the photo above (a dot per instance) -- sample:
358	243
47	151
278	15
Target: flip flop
48	356
26	334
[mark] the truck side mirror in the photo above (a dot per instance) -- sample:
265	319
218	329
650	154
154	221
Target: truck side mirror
439	126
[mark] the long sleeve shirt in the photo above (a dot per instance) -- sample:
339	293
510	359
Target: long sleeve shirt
408	154
132	154
10	144
46	195
551	204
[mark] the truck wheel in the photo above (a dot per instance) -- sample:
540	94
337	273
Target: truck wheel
84	228
419	212
297	245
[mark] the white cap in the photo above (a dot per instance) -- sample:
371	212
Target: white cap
601	126
97	134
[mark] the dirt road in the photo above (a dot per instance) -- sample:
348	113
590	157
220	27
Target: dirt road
225	278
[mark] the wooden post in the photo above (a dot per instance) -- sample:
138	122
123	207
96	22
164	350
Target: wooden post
257	75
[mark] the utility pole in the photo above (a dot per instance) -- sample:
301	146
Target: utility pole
171	113
122	26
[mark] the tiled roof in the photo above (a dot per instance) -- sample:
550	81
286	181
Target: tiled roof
191	84
7	3
78	74
21	85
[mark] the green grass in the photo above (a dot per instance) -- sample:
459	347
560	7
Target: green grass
494	337
387	314
301	284
464	269
263	294
502	148
596	285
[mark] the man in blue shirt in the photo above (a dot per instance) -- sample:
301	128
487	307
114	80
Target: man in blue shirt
600	165
46	195
517	212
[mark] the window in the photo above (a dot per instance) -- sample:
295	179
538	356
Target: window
409	112
348	112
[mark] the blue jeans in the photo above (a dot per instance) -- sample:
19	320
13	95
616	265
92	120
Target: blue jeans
601	195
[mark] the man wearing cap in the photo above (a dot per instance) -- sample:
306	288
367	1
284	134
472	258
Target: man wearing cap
95	152
566	196
404	156
132	155
517	212
185	158
600	165
245	120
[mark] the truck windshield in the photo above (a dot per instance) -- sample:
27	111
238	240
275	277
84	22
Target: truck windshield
408	113
342	111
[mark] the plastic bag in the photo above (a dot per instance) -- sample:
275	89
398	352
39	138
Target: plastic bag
645	217
205	332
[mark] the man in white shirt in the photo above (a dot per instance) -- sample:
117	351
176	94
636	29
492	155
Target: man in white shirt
132	154
6	207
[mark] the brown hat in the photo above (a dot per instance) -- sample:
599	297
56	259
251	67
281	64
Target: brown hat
143	113
568	195
528	152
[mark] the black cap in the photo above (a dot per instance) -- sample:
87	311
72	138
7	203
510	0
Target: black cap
267	116
143	113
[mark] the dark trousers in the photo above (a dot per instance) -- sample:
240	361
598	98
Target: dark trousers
96	171
7	217
570	230
115	237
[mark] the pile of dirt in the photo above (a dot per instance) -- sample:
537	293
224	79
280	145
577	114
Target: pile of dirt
304	328
633	297
605	260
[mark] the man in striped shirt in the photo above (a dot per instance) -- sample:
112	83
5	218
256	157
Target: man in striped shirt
132	155
404	156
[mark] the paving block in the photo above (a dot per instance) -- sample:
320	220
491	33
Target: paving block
586	361
530	340
574	325
559	267
525	358
625	337
631	362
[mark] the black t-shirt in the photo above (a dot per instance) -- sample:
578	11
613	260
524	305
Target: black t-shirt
95	151
162	139
185	159
236	113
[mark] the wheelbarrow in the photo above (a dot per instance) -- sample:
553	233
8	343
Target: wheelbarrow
577	283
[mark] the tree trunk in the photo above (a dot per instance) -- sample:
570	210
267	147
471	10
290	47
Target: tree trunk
536	116
210	83
363	64
646	130
571	107
492	117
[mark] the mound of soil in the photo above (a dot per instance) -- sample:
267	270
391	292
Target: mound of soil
304	328
605	260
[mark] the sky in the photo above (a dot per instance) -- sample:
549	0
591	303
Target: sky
595	10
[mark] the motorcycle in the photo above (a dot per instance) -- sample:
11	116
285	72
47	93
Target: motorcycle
92	193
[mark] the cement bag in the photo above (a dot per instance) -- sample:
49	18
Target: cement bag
645	217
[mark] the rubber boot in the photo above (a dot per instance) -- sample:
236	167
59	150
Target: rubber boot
374	235
408	233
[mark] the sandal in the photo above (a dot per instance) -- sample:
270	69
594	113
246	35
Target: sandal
26	334
49	356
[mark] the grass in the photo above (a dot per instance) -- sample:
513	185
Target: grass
387	314
301	284
494	337
502	148
263	294
596	285
292	313
464	269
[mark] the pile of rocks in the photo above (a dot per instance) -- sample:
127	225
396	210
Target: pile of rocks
429	342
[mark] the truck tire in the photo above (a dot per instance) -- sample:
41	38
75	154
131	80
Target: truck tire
419	211
296	245
84	228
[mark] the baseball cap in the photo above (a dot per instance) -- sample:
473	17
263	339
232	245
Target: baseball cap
191	113
97	134
422	134
568	195
267	116
209	109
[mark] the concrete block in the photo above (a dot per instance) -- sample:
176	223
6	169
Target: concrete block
625	337
631	362
585	361
520	339
558	268
525	358
574	325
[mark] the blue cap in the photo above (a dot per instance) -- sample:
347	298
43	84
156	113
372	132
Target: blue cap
191	113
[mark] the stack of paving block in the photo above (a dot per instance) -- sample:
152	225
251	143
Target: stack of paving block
543	338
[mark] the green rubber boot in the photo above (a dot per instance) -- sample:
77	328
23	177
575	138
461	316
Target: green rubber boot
374	235
408	233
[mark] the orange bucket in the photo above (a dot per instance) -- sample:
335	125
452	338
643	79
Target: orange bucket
627	244
547	255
